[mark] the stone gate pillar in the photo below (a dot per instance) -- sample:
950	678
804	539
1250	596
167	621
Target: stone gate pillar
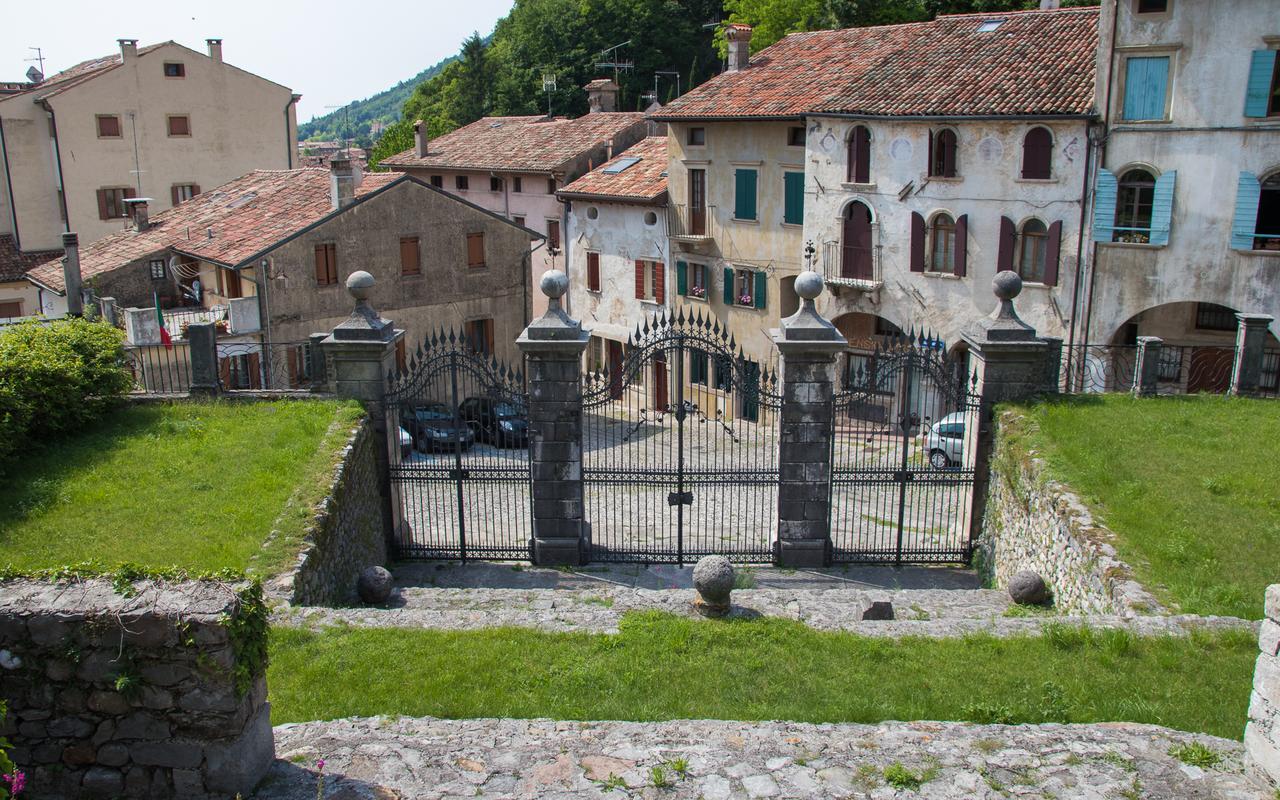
808	344
1010	364
1146	370
553	345
202	347
1251	338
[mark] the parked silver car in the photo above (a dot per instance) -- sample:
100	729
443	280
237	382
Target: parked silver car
945	442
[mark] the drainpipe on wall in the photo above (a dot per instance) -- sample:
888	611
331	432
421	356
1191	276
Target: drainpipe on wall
57	163
8	184
289	141
1080	237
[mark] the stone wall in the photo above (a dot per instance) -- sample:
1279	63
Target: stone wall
1032	522
1262	733
111	695
347	533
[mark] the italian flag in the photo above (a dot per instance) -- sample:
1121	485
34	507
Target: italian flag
164	334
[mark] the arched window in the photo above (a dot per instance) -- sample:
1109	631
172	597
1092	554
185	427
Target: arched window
856	262
1037	153
1033	245
1137	189
942	154
860	155
942	244
1266	232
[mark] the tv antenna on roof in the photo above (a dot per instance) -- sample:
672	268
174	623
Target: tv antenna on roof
344	142
39	59
548	86
608	59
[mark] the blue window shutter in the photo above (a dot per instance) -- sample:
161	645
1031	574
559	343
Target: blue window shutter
1146	80
729	297
744	195
1258	90
1104	206
762	286
1162	207
793	212
1248	192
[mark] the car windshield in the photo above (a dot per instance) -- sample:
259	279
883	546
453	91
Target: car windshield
508	410
433	411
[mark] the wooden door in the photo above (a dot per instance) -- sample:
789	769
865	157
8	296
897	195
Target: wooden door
856	260
1210	370
698	202
661	399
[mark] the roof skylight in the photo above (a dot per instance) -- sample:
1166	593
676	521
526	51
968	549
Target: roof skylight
990	25
621	165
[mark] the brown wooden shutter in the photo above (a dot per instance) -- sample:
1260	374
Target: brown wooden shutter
102	204
173	195
917	242
293	355
475	249
949	154
1052	252
401	356
224	372
962	245
1037	153
639	279
128	195
862	154
322	269
1004	256
488	336
195	189
553	233
930	170
255	375
659	282
409	256
331	256
593	271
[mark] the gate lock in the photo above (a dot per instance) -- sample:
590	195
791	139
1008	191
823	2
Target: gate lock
903	476
680	499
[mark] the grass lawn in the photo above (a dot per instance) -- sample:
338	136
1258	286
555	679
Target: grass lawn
1189	485
194	485
663	667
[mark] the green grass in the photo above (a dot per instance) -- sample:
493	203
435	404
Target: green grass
197	485
1188	485
662	667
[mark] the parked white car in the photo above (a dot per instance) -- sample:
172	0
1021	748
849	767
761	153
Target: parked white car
406	444
945	442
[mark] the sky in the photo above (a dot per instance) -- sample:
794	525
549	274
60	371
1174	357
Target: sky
331	53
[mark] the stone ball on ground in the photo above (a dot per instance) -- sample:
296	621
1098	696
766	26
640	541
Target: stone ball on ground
713	579
374	586
1028	588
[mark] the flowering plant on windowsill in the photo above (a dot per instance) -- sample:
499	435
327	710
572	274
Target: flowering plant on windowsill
698	292
745	300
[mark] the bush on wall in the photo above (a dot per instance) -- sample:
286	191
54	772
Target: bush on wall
56	377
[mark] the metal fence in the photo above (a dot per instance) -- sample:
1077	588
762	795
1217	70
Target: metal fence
158	369
264	366
1269	386
1096	368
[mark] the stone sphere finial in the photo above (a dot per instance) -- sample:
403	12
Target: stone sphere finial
554	283
808	284
1007	284
713	581
360	284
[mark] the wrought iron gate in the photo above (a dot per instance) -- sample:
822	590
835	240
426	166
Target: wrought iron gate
680	447
903	456
458	438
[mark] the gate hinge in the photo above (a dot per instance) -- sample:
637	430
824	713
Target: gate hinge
680	499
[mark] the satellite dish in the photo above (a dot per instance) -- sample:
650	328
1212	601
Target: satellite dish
34	75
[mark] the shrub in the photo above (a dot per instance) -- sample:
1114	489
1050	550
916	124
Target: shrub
56	377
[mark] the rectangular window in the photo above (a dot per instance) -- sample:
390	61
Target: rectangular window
326	264
173	69
1213	317
698	367
461	183
10	309
516	184
108	126
179	125
1170	366
480	335
744	286
495	184
551	185
229	283
793	198
698	281
1152	6
1146	84
593	272
649	280
795	136
182	192
437	181
697	137
410	256
157	269
475	249
553	234
519	221
111	203
744	194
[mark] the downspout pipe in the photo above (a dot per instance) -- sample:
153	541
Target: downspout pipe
57	159
8	185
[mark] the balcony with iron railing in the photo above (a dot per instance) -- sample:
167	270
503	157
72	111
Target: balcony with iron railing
852	267
691	225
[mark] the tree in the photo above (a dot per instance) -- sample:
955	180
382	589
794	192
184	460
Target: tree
473	79
773	19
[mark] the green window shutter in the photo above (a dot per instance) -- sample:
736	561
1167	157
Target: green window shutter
744	194
1146	80
728	286
762	286
1162	207
1258	89
682	278
1104	206
1245	220
793	197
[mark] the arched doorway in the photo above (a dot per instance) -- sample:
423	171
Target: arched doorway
856	261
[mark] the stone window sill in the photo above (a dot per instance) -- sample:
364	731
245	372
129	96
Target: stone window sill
858	187
945	179
745	221
1133	245
1036	180
945	276
1260	253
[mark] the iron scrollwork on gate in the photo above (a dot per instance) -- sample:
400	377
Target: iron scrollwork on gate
680	445
903	454
457	422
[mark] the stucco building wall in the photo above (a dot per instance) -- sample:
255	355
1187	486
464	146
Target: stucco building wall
620	234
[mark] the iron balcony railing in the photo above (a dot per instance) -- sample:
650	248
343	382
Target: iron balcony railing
684	222
858	267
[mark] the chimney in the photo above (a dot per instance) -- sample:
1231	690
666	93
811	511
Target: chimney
71	274
128	49
1049	5
420	139
215	49
602	96
344	177
739	39
138	209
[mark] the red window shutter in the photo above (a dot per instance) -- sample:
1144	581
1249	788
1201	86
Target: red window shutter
948	142
1037	151
1052	251
962	245
639	280
475	249
917	242
173	195
102	205
224	372
659	282
593	271
1004	256
322	269
195	189
861	155
553	233
930	166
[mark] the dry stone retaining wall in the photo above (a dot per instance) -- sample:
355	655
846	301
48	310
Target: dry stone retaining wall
115	696
1262	734
1032	522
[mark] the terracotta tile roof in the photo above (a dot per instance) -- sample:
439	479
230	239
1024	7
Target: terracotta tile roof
14	263
246	216
85	70
518	144
644	180
1034	63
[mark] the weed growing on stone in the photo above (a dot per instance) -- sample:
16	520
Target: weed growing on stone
1134	792
658	777
613	783
991	781
744	578
919	612
1196	755
680	767
1072	760
1025	776
899	777
868	776
988	746
1116	760
592	600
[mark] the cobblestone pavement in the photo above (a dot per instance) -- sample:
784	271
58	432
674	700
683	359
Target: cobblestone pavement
432	758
